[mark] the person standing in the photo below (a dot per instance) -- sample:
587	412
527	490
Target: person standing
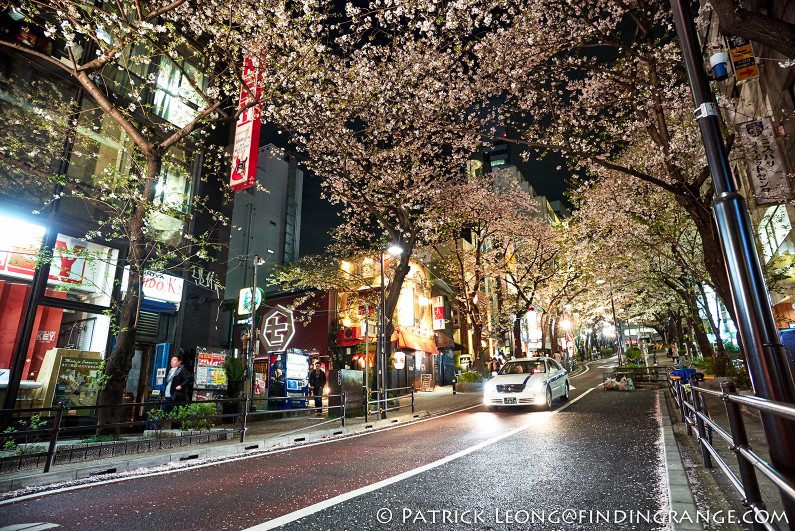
317	381
177	384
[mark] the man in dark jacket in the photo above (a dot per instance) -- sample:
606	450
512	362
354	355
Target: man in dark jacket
177	384
317	381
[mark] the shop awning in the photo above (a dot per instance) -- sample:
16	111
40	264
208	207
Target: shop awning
443	340
414	342
154	305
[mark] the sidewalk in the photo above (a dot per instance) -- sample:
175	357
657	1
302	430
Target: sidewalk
261	435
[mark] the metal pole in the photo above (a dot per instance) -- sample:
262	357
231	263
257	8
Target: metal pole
382	343
753	496
769	369
366	346
56	428
253	316
615	323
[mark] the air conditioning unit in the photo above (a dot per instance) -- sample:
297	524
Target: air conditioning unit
351	332
349	336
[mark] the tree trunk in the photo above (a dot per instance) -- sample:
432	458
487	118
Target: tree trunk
715	265
119	362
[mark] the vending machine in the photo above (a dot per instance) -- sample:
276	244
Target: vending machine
288	379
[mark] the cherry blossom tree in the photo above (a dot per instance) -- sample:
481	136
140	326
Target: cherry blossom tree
120	54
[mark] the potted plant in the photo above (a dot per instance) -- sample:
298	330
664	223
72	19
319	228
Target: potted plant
235	376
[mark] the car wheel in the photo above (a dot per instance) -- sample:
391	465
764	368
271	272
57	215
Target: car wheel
565	393
549	398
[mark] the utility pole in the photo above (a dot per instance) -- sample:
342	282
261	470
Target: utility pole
769	368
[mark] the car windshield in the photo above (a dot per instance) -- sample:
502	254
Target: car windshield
523	367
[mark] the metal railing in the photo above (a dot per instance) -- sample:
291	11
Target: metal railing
382	402
51	426
693	411
645	374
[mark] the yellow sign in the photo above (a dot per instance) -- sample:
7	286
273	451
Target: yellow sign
742	55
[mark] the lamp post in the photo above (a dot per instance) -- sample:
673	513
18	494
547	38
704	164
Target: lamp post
619	348
393	250
253	344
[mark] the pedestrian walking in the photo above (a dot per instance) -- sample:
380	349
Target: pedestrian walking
177	384
317	381
673	351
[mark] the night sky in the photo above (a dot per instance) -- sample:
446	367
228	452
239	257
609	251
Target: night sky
318	217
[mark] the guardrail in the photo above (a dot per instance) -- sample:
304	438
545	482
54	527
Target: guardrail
694	412
382	401
51	426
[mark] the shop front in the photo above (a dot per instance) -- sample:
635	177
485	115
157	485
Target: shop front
292	335
53	328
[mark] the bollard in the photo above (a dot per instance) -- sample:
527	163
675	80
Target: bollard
366	405
344	400
454	382
56	428
245	418
753	497
412	399
695	397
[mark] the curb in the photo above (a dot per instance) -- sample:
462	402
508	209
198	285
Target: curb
680	493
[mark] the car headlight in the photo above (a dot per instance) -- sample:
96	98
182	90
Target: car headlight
536	387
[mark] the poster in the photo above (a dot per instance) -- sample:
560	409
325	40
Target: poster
210	373
77	384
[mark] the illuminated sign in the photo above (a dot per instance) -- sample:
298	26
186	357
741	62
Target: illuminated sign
84	266
438	313
244	301
245	149
278	328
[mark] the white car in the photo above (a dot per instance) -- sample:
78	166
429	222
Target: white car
525	382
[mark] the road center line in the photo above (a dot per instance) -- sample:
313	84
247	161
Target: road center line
325	504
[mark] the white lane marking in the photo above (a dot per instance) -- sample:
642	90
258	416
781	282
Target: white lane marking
235	457
571	387
33	526
325	504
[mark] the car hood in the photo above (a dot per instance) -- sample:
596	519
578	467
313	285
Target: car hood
526	379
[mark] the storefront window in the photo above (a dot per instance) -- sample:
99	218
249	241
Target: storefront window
83	271
64	358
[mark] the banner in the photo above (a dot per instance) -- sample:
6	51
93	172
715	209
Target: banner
438	313
763	160
246	146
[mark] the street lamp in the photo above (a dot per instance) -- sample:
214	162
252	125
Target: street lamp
619	348
254	304
380	355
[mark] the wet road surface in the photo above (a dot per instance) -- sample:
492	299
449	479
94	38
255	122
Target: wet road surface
486	470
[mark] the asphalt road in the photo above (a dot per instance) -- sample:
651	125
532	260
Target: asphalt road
524	469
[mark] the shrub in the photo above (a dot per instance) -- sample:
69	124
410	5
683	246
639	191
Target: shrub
633	354
470	377
9	443
606	352
195	416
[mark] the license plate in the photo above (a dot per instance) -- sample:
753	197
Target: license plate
510	400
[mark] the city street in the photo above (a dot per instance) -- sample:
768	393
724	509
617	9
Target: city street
600	452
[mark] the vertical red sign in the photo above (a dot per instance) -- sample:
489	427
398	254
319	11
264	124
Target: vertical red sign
246	146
